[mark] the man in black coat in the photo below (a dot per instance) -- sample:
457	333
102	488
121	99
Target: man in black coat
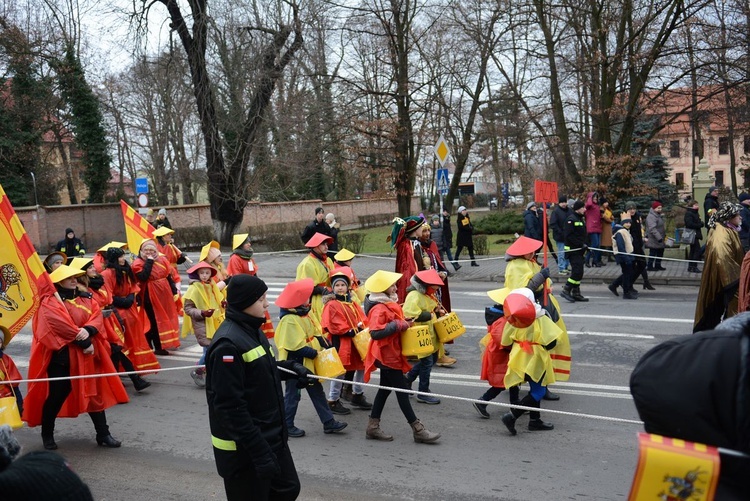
245	401
448	238
697	388
318	225
693	222
70	245
465	236
575	248
710	202
636	231
557	224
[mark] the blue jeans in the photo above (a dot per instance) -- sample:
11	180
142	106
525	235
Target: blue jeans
423	369
335	391
562	263
594	256
292	396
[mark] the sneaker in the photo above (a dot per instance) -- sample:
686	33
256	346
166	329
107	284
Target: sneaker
539	425
338	408
333	426
428	399
198	379
295	432
563	272
482	410
510	422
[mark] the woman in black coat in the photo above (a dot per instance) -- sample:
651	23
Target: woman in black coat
693	222
465	232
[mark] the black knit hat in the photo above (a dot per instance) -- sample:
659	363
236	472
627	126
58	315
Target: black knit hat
244	290
42	476
578	205
113	253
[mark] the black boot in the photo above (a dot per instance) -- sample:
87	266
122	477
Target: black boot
567	292
577	296
456	266
103	437
647	285
48	441
139	383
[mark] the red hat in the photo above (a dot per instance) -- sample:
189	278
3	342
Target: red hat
296	293
318	239
519	311
345	271
429	277
523	246
656	204
200	266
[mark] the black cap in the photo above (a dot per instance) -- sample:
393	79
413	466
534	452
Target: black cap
42	476
562	199
244	290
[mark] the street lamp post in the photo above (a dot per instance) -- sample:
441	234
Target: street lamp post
36	198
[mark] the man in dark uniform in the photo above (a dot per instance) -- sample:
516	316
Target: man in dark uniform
70	245
575	247
318	225
245	401
711	201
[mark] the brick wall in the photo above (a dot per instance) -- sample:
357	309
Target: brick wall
97	224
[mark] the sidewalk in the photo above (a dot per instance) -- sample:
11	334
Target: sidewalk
490	269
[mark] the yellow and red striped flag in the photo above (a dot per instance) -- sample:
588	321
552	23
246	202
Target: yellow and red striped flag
670	468
136	227
23	280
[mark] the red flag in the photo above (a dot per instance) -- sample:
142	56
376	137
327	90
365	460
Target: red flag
137	227
23	280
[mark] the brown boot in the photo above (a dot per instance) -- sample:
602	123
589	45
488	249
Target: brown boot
375	433
422	435
346	392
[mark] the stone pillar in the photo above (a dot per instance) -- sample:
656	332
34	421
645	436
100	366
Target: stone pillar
702	181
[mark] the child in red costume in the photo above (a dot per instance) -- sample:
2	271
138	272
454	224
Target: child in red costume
342	319
69	341
386	321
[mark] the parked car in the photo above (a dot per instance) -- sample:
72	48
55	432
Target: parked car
493	203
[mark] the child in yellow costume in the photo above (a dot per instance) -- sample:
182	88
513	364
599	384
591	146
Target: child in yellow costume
522	270
203	312
422	306
531	334
299	338
317	266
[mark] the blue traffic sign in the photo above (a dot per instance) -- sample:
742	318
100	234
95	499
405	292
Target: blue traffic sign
141	185
442	181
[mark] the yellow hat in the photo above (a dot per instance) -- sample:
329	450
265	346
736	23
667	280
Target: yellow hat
344	255
381	280
162	230
499	295
113	243
145	241
239	239
204	251
63	272
81	263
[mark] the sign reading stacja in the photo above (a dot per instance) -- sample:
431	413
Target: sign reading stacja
141	185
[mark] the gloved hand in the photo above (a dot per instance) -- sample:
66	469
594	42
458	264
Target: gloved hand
128	301
207	313
82	252
323	342
320	290
350	333
302	375
545	272
266	465
226	280
402	325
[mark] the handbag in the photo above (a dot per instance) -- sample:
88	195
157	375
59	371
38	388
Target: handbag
688	236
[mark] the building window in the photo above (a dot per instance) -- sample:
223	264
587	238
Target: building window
680	180
724	145
698	148
719	174
674	149
746	145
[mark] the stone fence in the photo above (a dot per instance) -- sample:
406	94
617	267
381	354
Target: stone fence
97	224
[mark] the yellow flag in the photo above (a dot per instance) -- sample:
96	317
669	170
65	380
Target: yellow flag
136	227
23	280
673	469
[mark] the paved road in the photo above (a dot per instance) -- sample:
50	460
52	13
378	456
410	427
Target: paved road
167	455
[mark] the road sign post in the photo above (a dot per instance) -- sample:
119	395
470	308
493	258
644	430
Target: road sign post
141	185
441	153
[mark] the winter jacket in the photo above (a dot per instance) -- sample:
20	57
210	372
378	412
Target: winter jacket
532	226
243	389
693	221
465	231
557	223
575	232
313	228
593	214
436	235
622	245
655	230
636	231
447	233
745	228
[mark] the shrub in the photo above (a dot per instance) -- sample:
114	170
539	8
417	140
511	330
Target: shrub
480	245
193	238
353	240
500	223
